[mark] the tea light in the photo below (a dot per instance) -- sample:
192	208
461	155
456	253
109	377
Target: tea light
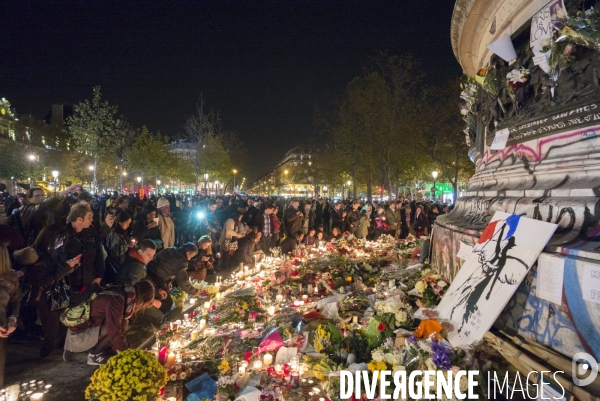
278	368
267	359
192	301
316	290
48	387
218	296
257	364
186	316
279	298
305	297
242	370
207	305
36	396
271	310
194	335
202	322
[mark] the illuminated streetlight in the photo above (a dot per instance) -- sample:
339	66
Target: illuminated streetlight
434	174
234	173
55	174
91	168
31	157
157	182
139	179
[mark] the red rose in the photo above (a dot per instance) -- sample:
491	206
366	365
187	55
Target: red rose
381	326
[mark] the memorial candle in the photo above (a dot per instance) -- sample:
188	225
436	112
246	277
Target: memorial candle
171	359
192	301
305	297
207	305
267	359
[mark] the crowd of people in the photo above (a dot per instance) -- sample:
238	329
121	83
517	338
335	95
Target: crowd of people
122	255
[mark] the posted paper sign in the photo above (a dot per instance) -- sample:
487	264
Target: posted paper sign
550	273
500	139
506	250
591	283
544	22
465	251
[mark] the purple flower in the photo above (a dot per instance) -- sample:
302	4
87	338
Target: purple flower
411	339
441	355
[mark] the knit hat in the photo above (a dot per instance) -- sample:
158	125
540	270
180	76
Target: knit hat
162	202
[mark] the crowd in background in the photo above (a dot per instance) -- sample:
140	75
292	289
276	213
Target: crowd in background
123	255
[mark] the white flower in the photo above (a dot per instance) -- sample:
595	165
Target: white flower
401	316
392	359
545	42
378	355
173	377
441	284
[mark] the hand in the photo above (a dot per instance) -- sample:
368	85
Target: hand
73	263
240	235
131	243
3	332
163	294
97	281
109	220
12	326
152	225
157	304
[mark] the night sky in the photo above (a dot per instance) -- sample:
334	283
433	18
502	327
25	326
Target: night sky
265	66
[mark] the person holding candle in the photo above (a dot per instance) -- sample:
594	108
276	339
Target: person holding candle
198	266
108	322
245	252
10	301
172	264
311	238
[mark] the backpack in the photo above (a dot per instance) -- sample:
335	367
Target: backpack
79	314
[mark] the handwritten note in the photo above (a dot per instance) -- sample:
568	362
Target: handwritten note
500	139
537	60
550	272
543	22
465	251
591	283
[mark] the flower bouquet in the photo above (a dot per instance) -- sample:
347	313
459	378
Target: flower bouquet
225	388
178	296
488	80
516	79
131	375
431	288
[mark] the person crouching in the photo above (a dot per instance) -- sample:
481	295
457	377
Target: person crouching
108	322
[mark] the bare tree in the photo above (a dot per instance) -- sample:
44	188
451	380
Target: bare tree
198	127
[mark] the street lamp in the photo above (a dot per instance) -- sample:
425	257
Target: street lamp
217	187
158	186
139	179
434	174
205	184
31	157
234	173
55	176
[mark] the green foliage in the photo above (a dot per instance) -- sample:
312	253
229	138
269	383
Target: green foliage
92	127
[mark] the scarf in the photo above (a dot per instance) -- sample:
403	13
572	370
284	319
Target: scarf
129	301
